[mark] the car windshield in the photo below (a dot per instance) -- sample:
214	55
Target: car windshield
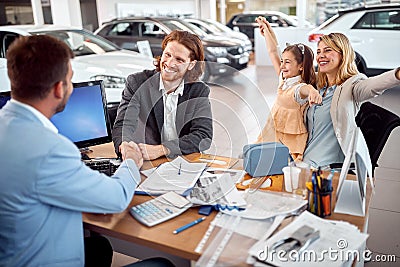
210	28
219	26
176	25
81	42
328	22
181	25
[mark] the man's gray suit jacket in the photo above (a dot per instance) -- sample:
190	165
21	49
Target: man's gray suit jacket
140	115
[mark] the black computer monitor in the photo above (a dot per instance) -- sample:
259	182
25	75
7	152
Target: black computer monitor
85	118
4	97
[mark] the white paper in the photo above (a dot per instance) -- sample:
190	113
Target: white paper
178	175
236	175
254	229
175	200
148	171
215	189
263	205
339	237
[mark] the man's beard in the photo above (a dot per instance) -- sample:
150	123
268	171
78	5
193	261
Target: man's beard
64	102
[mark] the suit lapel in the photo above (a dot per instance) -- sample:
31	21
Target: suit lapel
157	101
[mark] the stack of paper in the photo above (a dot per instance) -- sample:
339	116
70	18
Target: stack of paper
339	243
178	175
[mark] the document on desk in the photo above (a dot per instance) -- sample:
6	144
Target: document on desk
338	238
213	189
263	205
178	175
236	175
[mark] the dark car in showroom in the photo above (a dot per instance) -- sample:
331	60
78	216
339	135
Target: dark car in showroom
246	22
230	55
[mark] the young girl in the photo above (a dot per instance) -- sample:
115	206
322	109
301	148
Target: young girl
296	80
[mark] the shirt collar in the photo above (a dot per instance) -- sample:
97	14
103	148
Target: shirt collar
177	91
328	89
289	82
43	119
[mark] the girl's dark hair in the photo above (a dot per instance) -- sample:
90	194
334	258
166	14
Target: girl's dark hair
304	56
193	43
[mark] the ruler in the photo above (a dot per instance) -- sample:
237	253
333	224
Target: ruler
219	243
206	236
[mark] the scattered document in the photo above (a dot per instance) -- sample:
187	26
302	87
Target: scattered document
148	171
212	189
337	245
236	175
263	205
178	175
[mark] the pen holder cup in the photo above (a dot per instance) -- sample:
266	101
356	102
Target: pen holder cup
320	203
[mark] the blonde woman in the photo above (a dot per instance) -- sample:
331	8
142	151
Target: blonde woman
343	89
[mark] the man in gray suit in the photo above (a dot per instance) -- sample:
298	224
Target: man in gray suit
167	110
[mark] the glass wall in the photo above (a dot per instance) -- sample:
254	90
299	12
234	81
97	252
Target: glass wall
16	12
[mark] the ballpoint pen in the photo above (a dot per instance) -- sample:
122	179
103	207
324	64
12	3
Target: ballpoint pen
180	229
180	167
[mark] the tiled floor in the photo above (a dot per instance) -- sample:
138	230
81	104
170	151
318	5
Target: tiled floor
240	105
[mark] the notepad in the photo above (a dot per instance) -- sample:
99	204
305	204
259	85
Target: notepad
178	176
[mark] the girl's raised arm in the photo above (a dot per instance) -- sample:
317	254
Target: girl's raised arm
271	41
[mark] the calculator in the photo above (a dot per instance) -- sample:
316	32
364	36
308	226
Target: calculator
160	209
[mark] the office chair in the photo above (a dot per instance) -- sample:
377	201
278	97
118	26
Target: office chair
376	124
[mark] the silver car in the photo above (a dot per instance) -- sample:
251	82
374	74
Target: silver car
95	57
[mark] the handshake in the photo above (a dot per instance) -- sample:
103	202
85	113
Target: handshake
140	152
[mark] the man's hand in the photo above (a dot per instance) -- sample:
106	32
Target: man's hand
131	151
150	152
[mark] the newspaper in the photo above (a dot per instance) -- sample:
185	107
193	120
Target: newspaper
213	189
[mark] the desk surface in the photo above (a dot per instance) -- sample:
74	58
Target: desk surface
123	226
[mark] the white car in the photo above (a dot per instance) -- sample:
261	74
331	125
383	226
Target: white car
95	57
374	33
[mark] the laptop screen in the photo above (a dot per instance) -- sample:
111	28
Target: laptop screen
4	97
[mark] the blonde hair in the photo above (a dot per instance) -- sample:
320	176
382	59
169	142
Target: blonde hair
347	68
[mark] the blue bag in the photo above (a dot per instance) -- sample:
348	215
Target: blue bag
265	158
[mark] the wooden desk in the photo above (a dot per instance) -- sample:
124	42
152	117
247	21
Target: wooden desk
124	227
